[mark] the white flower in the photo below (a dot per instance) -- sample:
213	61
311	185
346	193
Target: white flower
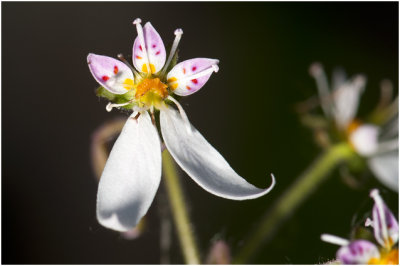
133	171
379	146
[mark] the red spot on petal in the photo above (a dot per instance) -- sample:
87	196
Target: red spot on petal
184	70
115	69
194	68
187	87
140	47
154	46
105	78
158	52
138	57
195	81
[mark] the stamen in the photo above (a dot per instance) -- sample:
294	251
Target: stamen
359	82
122	58
142	42
386	96
213	68
334	240
374	194
178	34
153	119
182	113
110	106
369	222
318	73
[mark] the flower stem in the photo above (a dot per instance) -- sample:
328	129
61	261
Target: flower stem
179	211
294	196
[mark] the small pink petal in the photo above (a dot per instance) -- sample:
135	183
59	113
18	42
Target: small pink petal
109	72
155	50
184	78
358	252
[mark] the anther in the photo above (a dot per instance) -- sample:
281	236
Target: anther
369	222
137	21
334	240
216	68
178	34
110	106
359	82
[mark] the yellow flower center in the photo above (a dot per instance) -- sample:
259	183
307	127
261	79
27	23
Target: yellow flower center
151	91
387	258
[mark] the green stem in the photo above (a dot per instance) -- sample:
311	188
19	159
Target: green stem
294	196
179	211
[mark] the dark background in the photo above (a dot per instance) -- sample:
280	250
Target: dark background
49	111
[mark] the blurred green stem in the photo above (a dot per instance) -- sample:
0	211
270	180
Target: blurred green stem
294	196
179	211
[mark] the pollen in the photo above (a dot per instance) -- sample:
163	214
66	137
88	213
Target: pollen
151	85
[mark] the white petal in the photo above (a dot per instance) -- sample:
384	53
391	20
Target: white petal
386	168
131	176
365	139
202	162
346	100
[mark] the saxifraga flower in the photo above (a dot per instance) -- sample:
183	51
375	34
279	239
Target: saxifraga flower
133	171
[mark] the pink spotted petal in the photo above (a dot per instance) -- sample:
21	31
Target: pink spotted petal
180	77
357	252
155	50
110	73
386	227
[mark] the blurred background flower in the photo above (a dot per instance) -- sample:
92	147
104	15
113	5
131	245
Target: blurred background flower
374	138
265	50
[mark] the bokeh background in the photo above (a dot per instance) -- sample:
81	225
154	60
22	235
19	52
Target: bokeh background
49	112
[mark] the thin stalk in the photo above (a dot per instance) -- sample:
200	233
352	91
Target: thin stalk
179	211
294	196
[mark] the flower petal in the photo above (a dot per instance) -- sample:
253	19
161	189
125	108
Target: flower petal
365	139
346	100
386	228
358	252
111	73
202	162
386	168
155	51
131	176
189	76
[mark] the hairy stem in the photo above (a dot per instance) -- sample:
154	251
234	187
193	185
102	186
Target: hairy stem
179	211
294	196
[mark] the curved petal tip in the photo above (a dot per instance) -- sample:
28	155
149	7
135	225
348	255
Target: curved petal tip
204	164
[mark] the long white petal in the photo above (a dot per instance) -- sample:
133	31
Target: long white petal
386	168
131	176
346	100
202	162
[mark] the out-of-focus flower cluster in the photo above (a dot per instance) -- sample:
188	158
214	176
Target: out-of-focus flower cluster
374	138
